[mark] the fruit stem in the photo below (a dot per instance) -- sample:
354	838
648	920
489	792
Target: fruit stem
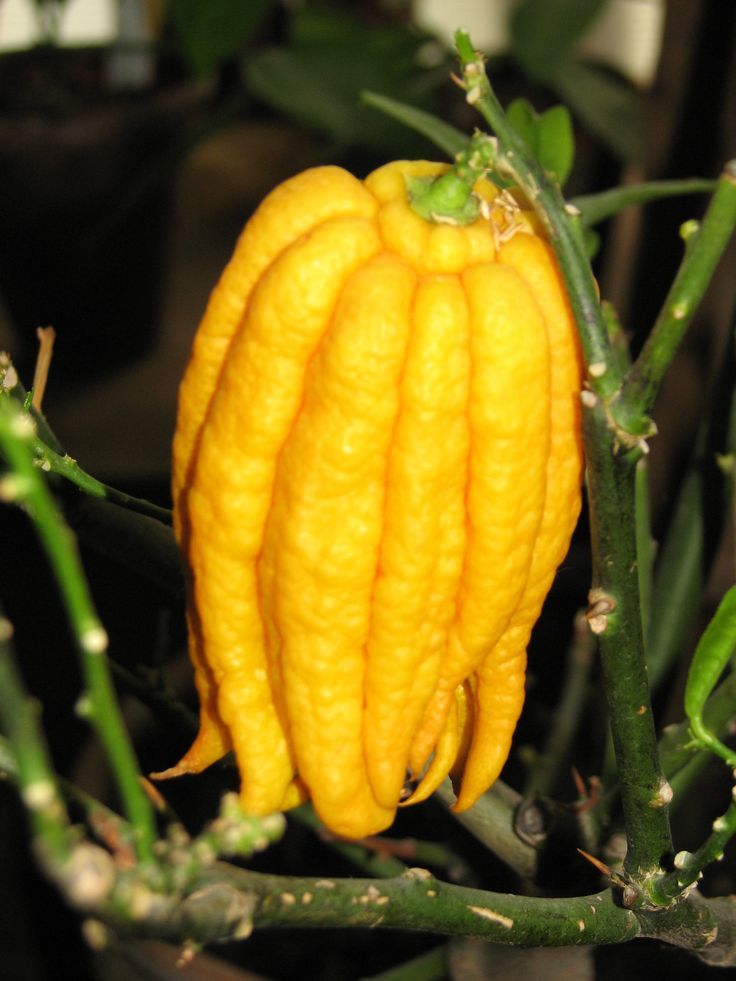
449	199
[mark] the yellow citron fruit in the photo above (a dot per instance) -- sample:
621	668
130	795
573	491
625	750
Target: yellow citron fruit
377	469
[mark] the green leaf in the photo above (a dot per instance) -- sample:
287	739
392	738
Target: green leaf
557	142
595	208
543	32
449	139
592	242
711	657
386	49
522	117
212	31
548	135
293	84
331	58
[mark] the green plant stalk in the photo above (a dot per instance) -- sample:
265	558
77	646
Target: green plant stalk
10	386
25	485
19	716
51	457
514	160
415	901
188	897
634	404
644	545
611	489
618	337
595	208
491	821
222	903
103	821
546	771
645	793
689	867
65	466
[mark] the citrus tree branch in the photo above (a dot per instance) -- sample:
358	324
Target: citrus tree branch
689	867
30	762
514	160
704	247
219	902
491	821
65	466
50	455
615	616
611	455
25	485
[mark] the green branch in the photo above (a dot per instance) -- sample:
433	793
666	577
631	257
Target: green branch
65	466
689	867
513	160
615	610
491	821
615	616
51	458
222	902
644	545
33	772
705	247
24	485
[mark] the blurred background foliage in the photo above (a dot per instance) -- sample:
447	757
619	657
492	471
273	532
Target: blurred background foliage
96	124
311	60
325	55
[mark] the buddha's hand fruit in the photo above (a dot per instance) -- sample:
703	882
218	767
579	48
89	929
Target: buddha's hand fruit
377	468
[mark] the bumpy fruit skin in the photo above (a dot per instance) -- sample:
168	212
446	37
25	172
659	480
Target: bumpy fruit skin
377	469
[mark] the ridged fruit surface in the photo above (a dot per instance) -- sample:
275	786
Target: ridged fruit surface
377	469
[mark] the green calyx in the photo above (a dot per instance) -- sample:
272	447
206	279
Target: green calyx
449	199
446	199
